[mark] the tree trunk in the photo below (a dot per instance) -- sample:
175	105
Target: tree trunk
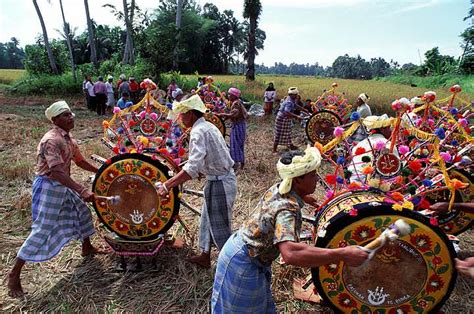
128	53
179	9
52	62
90	30
250	74
67	32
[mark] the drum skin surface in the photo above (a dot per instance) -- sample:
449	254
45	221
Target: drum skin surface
320	126
140	214
456	222
413	274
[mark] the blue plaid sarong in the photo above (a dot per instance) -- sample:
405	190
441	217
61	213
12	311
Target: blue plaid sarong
241	284
237	141
59	216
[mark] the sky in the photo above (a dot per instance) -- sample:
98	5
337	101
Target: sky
301	31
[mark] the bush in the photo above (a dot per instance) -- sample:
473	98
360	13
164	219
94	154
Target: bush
47	85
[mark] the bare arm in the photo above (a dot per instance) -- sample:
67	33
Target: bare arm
303	255
58	174
84	164
178	179
442	207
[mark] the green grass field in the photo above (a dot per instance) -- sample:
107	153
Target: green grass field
8	76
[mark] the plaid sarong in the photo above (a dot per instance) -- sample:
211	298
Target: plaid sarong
283	128
241	284
59	216
237	141
216	215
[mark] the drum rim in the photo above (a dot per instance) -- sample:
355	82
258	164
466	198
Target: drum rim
316	113
158	165
387	211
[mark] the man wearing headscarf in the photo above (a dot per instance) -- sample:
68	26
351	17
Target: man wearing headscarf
364	111
238	115
243	274
208	155
58	209
283	121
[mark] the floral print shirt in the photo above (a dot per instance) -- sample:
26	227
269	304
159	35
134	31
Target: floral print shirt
277	218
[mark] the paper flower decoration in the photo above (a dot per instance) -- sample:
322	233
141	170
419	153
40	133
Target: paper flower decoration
338	131
340	160
331	179
446	156
355	116
153	116
440	133
329	194
116	110
403	149
414	165
360	151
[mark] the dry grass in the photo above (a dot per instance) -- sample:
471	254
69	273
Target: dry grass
69	283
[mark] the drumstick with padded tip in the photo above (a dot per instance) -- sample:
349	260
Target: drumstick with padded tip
398	229
114	200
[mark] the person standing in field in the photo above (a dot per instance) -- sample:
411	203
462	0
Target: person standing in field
110	93
91	95
238	115
134	90
269	98
100	91
209	156
58	209
124	87
283	121
84	91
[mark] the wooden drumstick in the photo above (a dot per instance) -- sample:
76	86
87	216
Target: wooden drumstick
394	231
114	200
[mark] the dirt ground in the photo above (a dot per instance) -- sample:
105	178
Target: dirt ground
71	283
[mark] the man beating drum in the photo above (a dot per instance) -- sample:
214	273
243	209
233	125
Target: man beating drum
59	212
208	155
243	275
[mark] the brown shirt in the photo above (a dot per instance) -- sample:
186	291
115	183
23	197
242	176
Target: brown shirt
57	147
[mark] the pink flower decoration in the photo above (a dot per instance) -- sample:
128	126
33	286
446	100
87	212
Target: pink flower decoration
153	115
431	122
338	131
433	221
142	114
329	194
353	212
446	156
403	149
116	110
462	122
418	122
379	145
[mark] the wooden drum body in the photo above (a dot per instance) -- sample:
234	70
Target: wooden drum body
412	274
140	214
320	126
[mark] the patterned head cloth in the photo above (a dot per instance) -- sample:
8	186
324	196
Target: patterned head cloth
192	103
300	165
234	91
364	97
56	109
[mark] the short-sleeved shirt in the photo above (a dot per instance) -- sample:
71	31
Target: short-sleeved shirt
208	152
100	88
109	87
287	106
242	112
364	111
276	219
90	88
57	147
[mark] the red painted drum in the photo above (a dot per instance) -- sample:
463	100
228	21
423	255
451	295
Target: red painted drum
320	126
413	274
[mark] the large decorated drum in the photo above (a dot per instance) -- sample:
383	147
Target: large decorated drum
456	221
140	214
413	274
320	126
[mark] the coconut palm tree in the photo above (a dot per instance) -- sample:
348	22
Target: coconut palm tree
52	61
68	36
252	10
90	30
128	12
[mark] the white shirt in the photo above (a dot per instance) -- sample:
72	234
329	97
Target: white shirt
110	88
90	88
364	111
208	152
269	96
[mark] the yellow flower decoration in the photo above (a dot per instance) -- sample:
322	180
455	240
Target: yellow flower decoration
397	207
408	205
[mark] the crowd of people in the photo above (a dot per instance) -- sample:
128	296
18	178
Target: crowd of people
242	280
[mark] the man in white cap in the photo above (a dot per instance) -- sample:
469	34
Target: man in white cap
208	155
283	121
362	105
58	209
242	283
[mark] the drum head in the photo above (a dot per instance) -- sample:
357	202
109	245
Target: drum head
414	274
217	121
320	126
455	222
140	214
388	165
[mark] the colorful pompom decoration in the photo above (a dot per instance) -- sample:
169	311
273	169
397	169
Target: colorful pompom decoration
455	89
340	160
355	116
319	146
355	185
429	96
142	114
353	212
116	110
462	122
415	165
153	116
329	194
434	221
368	170
446	156
412	189
366	159
454	143
120	130
339	180
403	149
379	145
453	111
427	182
397	196
105	124
331	179
338	131
360	151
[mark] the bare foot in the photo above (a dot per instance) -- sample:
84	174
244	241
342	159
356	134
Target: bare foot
14	286
202	260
